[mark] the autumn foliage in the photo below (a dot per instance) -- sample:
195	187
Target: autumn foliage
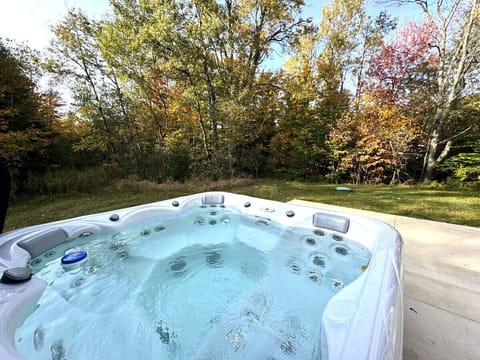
373	144
403	71
177	89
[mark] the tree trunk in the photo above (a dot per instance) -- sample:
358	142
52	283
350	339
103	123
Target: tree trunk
430	161
451	76
100	109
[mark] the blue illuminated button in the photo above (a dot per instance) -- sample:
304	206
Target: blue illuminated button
73	257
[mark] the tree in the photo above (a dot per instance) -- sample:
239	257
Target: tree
211	51
341	21
348	39
456	32
463	162
371	36
310	106
26	115
325	67
403	71
372	144
96	89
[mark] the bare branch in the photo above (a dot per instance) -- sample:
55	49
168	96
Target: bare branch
452	13
456	135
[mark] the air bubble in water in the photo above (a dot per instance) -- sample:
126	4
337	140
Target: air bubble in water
235	338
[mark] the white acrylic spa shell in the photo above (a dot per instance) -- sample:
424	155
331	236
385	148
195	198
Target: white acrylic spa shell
362	321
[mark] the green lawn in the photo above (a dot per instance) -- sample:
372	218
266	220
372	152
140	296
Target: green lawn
459	206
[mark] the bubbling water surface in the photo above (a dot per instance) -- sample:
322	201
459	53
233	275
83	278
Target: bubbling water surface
209	284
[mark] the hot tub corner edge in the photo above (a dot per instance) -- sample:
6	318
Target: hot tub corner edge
16	303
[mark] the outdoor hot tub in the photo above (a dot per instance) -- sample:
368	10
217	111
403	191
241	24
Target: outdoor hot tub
208	276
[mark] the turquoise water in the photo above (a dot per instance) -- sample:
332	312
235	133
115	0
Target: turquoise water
209	284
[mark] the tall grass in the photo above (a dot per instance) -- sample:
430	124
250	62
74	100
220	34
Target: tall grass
67	181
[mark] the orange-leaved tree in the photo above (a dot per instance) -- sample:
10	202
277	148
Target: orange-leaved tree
372	144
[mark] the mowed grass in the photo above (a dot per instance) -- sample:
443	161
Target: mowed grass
458	206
